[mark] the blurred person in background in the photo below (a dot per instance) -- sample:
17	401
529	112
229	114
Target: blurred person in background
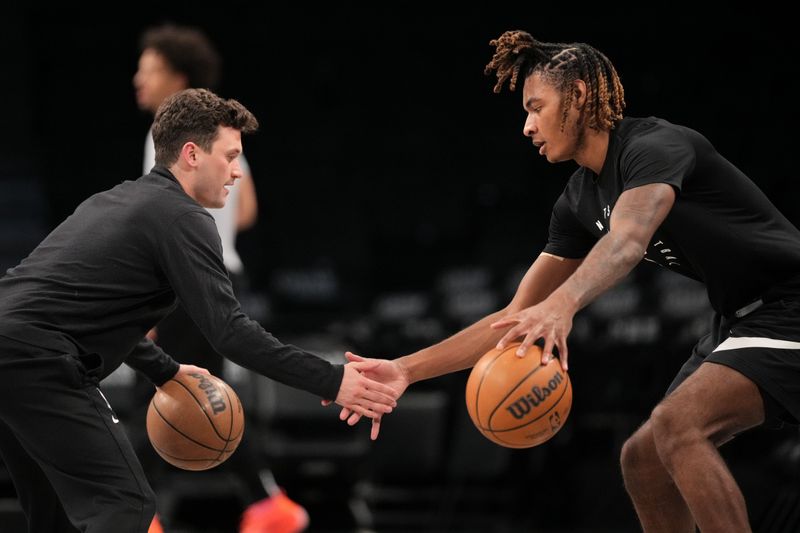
81	303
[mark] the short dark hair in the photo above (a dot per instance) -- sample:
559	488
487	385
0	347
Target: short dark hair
517	52
195	115
188	51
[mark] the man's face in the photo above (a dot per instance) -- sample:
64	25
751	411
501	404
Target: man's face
218	169
542	102
155	80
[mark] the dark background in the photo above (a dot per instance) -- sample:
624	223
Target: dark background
392	182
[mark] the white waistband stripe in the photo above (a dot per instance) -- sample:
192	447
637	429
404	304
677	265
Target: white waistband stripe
734	343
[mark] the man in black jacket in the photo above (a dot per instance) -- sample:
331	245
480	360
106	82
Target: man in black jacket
81	303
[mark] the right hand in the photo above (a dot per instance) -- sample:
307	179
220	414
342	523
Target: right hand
384	371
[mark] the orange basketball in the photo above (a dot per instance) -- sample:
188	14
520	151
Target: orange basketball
195	421
517	402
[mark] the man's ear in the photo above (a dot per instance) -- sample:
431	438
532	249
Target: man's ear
189	154
580	93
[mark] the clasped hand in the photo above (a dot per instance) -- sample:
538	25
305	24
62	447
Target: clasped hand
380	382
371	386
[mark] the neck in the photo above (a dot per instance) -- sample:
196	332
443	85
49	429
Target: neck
182	177
593	150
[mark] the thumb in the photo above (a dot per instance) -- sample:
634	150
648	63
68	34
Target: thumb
502	323
353	357
363	365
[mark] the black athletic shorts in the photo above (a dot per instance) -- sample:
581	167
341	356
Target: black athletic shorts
763	343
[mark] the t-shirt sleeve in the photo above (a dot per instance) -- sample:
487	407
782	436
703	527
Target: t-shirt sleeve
567	237
191	252
664	156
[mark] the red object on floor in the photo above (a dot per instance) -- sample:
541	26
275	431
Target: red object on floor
155	526
276	514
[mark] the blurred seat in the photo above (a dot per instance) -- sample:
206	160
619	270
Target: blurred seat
401	483
12	519
479	493
300	438
466	295
24	212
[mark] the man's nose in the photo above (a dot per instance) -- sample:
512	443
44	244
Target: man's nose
236	171
530	127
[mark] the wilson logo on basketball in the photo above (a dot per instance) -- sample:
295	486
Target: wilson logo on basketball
214	396
523	405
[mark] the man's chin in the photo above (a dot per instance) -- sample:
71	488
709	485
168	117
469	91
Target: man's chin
219	204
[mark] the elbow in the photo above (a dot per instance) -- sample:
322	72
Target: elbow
630	251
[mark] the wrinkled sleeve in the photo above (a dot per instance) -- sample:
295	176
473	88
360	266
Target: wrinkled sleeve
192	260
152	361
567	237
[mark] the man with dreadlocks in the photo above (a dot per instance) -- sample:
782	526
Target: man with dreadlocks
647	189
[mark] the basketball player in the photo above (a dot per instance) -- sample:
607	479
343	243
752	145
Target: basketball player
647	189
173	58
80	304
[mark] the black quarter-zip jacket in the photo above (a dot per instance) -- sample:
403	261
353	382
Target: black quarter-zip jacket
114	268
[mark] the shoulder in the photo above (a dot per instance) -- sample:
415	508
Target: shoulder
657	134
160	202
643	139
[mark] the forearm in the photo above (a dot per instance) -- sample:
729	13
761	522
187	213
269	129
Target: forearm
463	349
637	215
247	344
458	352
152	361
611	259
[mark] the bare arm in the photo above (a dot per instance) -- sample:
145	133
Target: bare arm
636	216
463	349
550	294
247	211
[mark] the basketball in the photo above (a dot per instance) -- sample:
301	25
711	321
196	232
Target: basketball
195	421
517	402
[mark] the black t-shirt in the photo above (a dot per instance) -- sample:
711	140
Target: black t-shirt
722	229
113	269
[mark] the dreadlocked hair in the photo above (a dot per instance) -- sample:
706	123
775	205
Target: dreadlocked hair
518	52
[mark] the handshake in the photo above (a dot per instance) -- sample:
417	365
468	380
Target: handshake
370	388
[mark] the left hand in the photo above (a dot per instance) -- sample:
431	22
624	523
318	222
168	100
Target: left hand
550	320
189	369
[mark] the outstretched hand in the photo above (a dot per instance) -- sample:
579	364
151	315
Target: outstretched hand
382	372
364	396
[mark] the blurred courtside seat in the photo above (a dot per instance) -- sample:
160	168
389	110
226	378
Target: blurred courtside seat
12	520
478	493
466	294
296	432
23	211
401	486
